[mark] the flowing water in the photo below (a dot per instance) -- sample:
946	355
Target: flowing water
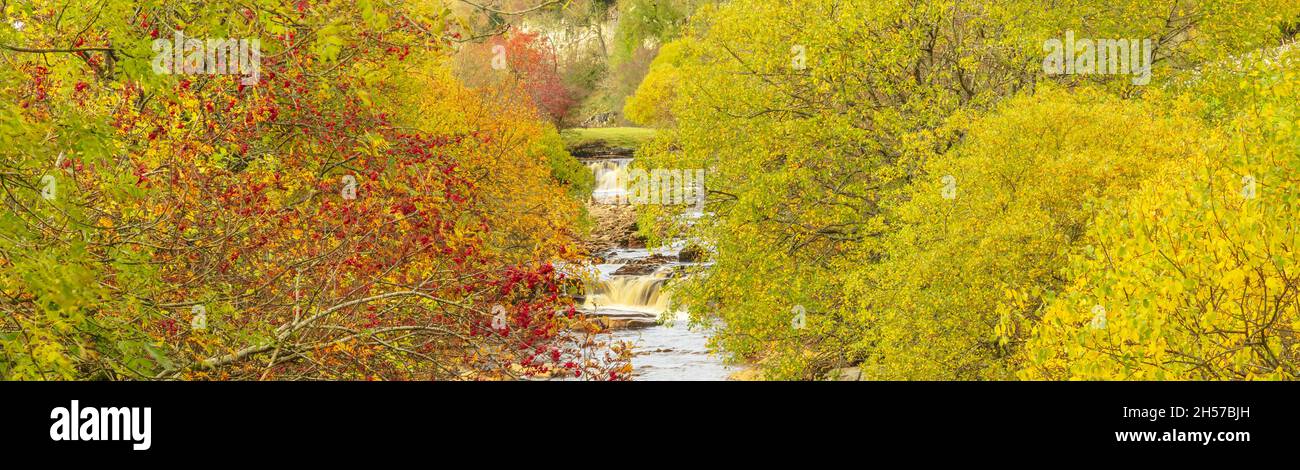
611	176
664	350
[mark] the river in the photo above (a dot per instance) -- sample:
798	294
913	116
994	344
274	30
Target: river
665	350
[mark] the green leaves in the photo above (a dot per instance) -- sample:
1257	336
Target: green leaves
898	167
329	41
1189	264
375	19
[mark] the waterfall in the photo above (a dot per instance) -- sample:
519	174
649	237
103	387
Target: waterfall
628	293
632	305
611	178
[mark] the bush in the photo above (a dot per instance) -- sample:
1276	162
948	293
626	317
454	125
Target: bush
1195	277
983	237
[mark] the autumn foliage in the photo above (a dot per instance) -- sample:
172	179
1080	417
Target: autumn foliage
356	214
523	63
909	177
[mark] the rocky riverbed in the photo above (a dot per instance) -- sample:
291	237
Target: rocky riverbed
628	293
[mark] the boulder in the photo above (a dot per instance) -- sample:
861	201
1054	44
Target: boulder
692	254
615	228
643	266
622	320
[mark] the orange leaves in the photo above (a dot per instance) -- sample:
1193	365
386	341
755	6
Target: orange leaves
347	219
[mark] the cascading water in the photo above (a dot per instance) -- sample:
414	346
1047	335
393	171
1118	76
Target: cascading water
637	303
629	293
611	178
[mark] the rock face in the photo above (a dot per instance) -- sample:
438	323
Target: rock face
600	149
621	320
615	228
605	119
643	266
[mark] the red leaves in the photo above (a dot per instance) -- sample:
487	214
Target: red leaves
238	196
531	58
403	208
141	173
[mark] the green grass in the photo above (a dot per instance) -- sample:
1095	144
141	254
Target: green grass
630	137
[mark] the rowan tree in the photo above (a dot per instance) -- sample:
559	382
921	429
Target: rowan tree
355	213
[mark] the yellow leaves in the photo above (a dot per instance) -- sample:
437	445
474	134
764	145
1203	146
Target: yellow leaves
329	41
1157	349
982	268
1200	307
1038	178
1233	280
1002	331
374	143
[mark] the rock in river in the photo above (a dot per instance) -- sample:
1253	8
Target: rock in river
643	266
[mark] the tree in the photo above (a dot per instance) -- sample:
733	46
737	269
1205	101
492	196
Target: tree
1194	277
985	232
813	119
523	63
356	213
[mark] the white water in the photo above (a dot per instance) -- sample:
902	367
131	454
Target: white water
611	179
666	351
671	351
629	293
